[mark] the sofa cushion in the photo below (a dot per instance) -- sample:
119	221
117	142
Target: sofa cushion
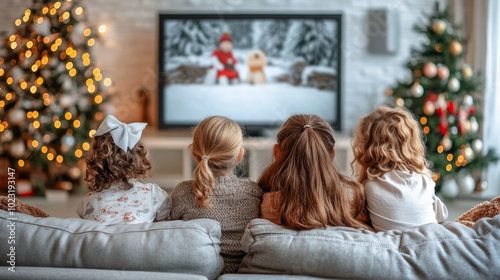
266	277
438	251
174	246
57	273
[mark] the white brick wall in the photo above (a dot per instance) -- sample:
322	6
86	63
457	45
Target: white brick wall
128	51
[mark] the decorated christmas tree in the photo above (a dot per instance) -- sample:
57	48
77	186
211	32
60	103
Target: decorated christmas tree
50	92
442	93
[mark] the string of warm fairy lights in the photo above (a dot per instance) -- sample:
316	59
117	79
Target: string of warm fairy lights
48	49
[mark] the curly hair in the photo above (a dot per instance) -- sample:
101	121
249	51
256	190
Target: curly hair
108	164
312	192
217	142
389	139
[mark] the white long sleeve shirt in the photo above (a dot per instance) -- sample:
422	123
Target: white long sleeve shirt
402	199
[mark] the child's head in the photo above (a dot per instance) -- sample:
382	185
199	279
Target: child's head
217	148
389	139
108	164
312	192
226	42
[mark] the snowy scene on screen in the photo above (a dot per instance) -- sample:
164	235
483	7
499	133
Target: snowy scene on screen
255	71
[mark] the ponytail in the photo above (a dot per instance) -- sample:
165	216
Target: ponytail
313	192
221	139
203	182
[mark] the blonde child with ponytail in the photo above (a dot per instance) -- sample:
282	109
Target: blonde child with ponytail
216	193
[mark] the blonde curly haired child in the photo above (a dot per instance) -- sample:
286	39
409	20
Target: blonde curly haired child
389	147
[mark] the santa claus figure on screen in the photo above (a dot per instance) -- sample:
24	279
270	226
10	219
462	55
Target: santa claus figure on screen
223	69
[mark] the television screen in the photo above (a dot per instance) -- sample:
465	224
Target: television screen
255	69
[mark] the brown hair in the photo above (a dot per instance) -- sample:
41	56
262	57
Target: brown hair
389	139
108	164
216	144
312	191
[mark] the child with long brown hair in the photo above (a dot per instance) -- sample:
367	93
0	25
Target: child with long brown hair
115	164
389	147
303	187
216	193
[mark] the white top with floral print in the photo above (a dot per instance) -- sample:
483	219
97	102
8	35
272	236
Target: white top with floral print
143	203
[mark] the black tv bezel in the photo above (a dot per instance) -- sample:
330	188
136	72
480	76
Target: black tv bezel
248	127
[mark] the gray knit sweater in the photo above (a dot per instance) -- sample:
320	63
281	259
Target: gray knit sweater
235	203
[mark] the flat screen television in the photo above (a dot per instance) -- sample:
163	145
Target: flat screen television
257	69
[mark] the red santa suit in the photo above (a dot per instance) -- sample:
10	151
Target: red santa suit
227	60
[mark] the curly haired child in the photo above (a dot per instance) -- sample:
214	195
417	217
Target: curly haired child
216	193
388	145
303	187
115	164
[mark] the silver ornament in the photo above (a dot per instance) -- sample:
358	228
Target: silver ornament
6	136
474	125
17	149
468	154
16	116
450	188
66	100
68	140
466	184
417	90
453	84
477	146
468	100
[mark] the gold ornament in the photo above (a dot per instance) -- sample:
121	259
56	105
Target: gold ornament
466	72
400	102
389	92
455	48
438	47
429	108
446	143
438	26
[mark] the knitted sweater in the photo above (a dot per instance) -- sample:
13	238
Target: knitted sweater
235	203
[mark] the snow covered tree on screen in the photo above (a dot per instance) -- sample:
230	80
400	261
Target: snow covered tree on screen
312	40
274	37
191	37
241	31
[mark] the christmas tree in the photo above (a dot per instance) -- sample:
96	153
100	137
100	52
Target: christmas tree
50	92
442	93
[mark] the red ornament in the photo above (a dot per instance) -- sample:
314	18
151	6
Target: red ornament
451	107
443	127
471	110
440	112
461	128
433	97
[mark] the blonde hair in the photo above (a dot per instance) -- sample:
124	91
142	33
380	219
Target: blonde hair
389	139
216	144
108	164
311	190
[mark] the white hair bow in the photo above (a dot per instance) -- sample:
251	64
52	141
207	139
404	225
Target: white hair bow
124	135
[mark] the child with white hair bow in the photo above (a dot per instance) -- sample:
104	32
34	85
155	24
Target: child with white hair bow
115	164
